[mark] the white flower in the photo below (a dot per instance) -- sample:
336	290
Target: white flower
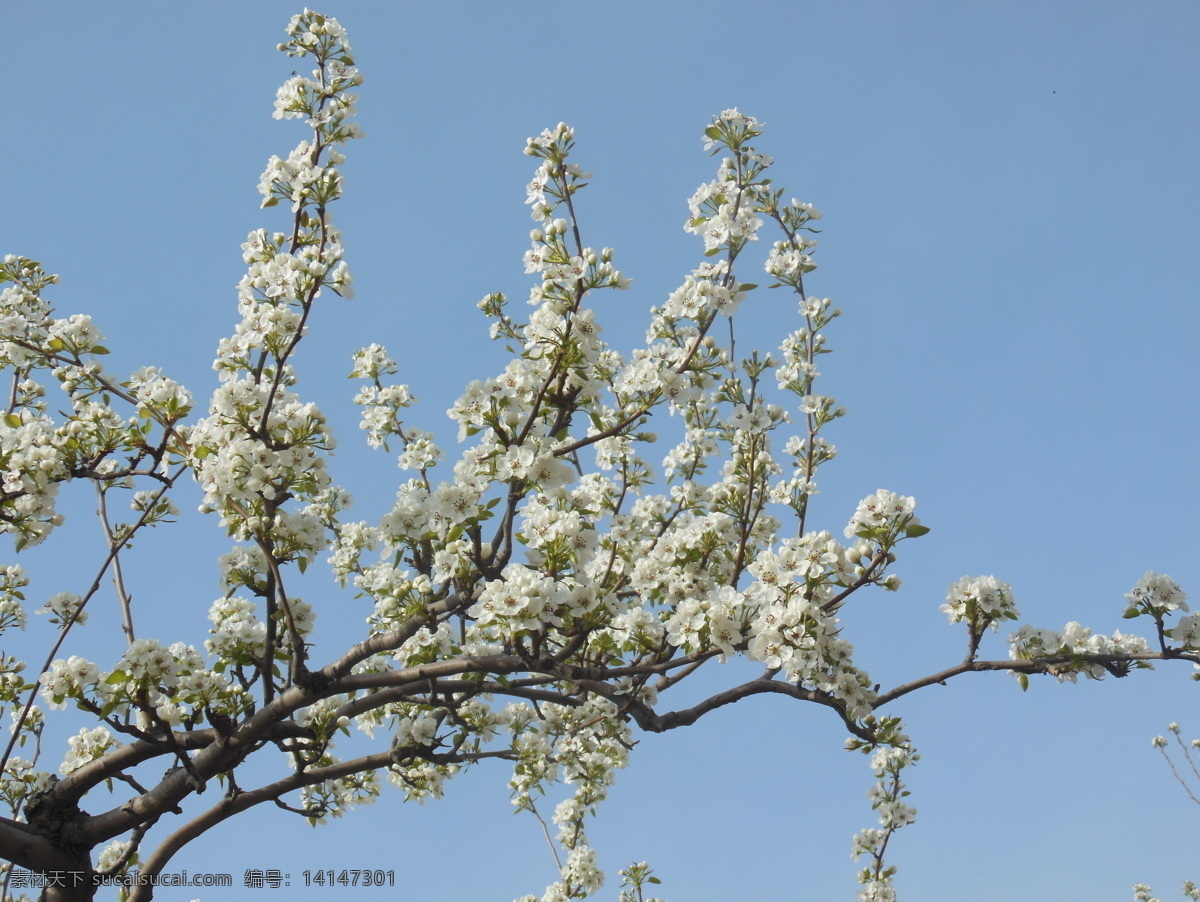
1155	594
86	746
980	601
64	607
882	512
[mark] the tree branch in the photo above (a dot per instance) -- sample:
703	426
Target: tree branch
25	848
1036	665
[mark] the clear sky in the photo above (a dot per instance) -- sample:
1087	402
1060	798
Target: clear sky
1010	195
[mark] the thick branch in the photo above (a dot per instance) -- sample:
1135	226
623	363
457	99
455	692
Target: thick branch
406	691
240	801
651	721
423	673
392	639
31	851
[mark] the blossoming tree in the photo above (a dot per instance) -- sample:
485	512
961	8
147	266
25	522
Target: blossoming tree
536	601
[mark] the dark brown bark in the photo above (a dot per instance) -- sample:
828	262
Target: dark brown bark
47	846
73	884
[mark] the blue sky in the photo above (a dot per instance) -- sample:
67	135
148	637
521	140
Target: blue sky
1009	194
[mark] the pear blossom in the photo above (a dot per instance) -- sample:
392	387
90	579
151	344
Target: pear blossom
1155	594
529	598
980	601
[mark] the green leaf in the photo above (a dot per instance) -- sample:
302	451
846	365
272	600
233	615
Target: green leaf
117	676
1131	614
1023	681
712	132
302	563
12	420
100	350
916	530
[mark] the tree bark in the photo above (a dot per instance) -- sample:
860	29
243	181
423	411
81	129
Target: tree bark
75	884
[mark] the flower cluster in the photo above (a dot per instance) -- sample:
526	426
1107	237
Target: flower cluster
521	601
87	745
725	211
13	580
20	781
1076	650
980	602
890	754
1155	594
1187	631
882	516
64	608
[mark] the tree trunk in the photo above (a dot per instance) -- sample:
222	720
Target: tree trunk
75	885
